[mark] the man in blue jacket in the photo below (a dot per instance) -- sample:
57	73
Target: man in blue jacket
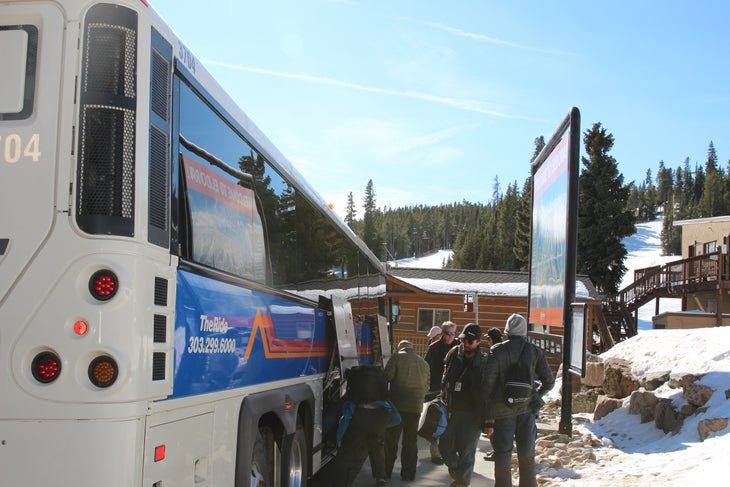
509	423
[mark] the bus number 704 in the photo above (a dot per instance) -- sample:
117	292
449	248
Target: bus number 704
14	148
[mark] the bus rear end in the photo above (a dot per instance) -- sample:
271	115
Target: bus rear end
86	303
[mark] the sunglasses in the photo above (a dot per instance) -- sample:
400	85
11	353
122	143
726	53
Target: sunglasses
452	333
470	340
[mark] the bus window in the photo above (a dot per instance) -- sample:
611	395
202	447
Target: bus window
226	230
18	64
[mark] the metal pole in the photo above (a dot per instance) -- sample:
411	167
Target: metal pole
476	307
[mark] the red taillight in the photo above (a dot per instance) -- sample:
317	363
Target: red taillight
103	371
81	327
46	367
159	453
103	285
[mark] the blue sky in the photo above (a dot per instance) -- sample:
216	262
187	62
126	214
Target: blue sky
434	100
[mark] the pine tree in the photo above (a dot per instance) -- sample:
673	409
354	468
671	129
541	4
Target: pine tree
523	232
603	220
712	201
671	236
350	210
649	199
521	247
664	182
370	230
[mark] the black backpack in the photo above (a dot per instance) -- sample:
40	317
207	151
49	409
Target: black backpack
518	383
366	383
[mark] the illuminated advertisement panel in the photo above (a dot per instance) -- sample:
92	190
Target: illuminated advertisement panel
554	223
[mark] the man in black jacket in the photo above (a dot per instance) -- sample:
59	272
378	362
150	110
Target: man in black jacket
461	391
514	423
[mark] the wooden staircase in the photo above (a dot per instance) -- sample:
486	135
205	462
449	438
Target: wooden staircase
617	320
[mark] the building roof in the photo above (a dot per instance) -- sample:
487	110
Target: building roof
494	283
702	221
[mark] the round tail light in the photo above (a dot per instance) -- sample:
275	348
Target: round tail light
46	367
103	371
103	285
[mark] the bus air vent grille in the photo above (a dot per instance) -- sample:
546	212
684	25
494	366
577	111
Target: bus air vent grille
158	366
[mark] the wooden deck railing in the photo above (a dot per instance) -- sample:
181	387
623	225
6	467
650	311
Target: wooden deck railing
674	278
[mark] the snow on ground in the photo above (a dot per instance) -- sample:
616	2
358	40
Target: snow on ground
641	454
435	260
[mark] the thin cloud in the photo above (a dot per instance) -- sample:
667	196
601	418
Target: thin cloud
461	104
388	140
485	38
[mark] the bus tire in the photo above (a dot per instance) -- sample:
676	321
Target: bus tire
295	471
262	462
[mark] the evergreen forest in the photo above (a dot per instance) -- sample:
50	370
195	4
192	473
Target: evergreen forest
496	235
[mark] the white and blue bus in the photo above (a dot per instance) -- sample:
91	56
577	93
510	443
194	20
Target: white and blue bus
176	302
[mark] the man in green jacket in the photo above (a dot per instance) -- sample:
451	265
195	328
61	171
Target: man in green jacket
514	423
408	375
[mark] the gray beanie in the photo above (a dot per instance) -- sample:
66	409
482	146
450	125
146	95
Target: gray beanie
516	325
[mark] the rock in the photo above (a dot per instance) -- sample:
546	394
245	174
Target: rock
643	403
605	405
584	402
665	417
697	394
618	381
681	379
653	380
594	374
687	410
707	426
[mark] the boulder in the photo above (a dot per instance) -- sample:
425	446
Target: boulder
653	380
594	374
643	403
666	418
707	426
681	379
605	405
697	394
618	381
585	401
688	410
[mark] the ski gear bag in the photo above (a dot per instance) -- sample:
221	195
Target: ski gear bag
433	419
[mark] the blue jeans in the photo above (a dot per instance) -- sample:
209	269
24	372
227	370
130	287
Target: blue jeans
521	430
458	444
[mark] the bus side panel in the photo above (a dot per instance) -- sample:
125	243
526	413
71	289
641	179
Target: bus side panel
28	157
184	461
93	453
228	336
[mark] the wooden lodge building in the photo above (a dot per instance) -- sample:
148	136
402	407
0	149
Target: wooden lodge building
418	299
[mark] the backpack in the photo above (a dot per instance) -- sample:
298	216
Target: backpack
366	383
433	419
518	384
